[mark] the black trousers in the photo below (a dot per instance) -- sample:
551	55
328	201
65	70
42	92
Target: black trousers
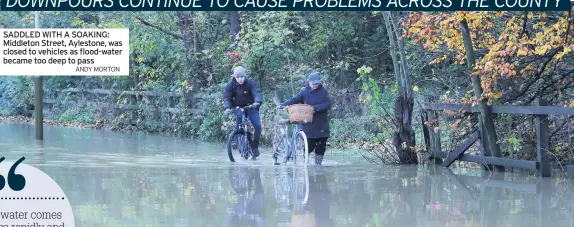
319	145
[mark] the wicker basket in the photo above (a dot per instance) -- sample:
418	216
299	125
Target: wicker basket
301	113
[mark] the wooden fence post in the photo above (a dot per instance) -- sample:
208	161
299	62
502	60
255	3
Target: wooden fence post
544	190
113	98
432	138
425	118
435	143
542	141
483	145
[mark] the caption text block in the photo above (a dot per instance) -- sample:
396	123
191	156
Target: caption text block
64	52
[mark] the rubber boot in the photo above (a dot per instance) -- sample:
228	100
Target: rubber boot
318	159
255	147
319	170
234	144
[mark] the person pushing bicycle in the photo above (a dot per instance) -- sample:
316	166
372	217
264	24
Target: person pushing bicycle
318	131
242	91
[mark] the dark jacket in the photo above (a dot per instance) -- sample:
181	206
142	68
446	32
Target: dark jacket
320	199
321	102
241	95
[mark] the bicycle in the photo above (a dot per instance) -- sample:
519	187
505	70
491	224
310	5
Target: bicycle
291	188
242	136
292	146
245	184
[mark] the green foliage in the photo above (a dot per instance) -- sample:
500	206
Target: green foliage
208	122
76	115
514	143
373	94
191	54
15	95
352	130
263	46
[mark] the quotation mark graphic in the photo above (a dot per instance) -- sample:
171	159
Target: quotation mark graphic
15	181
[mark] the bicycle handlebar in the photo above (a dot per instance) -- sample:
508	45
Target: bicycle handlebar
242	108
281	107
245	107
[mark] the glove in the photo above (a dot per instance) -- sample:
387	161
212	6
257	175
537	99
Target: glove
227	111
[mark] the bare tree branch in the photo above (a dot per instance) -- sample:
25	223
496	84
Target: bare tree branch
524	30
537	76
561	126
159	29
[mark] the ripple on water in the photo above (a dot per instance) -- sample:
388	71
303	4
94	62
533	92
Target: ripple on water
185	160
122	163
19	152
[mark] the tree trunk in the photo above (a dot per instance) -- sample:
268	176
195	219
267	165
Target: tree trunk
489	132
235	26
190	48
393	53
184	24
404	138
407	90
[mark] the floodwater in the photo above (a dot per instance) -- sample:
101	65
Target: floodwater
135	179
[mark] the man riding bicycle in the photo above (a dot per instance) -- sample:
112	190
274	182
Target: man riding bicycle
243	91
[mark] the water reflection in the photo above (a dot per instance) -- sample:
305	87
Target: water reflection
337	196
318	206
245	183
495	199
114	179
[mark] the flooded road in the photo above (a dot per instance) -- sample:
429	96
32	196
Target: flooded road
135	179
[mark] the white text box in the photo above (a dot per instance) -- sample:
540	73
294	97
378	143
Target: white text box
64	52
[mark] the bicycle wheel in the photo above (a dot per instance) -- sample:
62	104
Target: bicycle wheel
301	155
300	187
242	145
279	144
282	184
238	180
